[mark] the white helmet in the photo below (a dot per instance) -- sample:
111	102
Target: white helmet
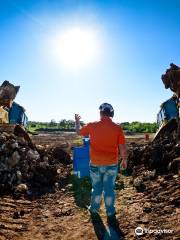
107	108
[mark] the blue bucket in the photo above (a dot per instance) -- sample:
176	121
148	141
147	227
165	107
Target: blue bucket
81	159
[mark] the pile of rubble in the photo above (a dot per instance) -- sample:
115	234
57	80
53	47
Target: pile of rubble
24	169
155	175
161	157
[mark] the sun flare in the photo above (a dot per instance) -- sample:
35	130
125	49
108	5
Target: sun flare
76	48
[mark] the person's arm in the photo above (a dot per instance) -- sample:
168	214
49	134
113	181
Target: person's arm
84	130
123	154
122	148
77	123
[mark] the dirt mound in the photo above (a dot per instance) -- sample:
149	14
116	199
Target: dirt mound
23	169
155	177
162	156
155	171
155	168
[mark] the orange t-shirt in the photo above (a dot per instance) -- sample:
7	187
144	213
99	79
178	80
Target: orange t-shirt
105	136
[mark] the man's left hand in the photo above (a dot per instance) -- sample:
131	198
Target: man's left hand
124	163
77	118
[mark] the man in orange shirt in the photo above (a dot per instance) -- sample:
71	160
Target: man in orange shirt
106	140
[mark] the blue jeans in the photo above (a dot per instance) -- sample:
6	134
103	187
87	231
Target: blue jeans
103	181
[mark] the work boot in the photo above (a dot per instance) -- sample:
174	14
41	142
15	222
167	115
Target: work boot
112	221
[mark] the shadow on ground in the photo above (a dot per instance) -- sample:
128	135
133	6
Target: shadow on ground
81	189
104	233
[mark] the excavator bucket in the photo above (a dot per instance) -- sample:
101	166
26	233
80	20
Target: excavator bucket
166	129
7	93
171	79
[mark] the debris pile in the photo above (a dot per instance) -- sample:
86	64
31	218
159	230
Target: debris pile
155	175
23	168
157	157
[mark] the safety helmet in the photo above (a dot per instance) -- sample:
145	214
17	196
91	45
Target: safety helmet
107	109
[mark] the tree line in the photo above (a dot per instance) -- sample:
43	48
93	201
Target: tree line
139	127
69	125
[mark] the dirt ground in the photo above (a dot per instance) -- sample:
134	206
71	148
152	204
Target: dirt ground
62	214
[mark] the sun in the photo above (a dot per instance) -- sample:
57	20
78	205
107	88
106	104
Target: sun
76	48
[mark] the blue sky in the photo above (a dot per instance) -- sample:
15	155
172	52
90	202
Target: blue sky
137	39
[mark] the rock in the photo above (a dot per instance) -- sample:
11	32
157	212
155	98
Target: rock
22	188
139	185
59	171
14	160
56	184
14	145
147	207
45	159
174	166
137	182
149	175
33	155
176	176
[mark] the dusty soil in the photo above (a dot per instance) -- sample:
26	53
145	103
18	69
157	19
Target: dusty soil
62	214
65	140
